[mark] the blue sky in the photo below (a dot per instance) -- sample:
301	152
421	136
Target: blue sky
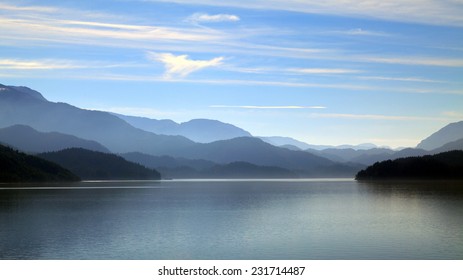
324	72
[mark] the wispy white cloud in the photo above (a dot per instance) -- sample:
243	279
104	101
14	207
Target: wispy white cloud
85	32
453	114
9	7
264	83
402	142
363	32
204	18
57	64
420	11
355	32
376	117
290	71
404	79
37	64
322	70
180	65
268	107
138	111
283	83
40	24
420	61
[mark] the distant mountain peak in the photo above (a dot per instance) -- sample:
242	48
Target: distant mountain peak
281	141
198	130
449	133
30	92
21	91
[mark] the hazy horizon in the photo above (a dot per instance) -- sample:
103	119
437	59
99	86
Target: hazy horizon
331	73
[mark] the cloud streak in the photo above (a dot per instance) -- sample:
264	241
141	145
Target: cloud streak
8	7
291	107
377	117
181	65
204	18
56	64
418	61
96	32
264	83
362	32
405	79
321	71
41	24
435	12
46	64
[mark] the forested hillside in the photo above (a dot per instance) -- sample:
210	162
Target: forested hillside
448	165
19	167
90	165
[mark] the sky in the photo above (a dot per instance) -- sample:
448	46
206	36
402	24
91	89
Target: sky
323	72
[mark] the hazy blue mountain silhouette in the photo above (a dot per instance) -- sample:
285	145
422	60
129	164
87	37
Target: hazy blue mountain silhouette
27	139
254	151
455	145
246	170
285	141
29	92
20	107
19	167
198	130
242	149
91	165
446	139
351	155
290	147
450	133
367	157
179	168
257	152
167	161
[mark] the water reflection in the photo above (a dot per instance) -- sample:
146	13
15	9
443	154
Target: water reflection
415	187
233	220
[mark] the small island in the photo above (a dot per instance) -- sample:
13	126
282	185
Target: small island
447	165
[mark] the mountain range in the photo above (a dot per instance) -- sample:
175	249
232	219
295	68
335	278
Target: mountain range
20	107
27	139
198	130
33	124
29	108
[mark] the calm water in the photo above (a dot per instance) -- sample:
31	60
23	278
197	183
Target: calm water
311	219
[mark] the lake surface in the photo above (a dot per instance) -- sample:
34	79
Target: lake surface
267	219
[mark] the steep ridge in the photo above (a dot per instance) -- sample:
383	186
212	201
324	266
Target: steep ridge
30	140
449	133
18	107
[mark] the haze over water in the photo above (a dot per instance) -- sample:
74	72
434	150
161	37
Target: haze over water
233	219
